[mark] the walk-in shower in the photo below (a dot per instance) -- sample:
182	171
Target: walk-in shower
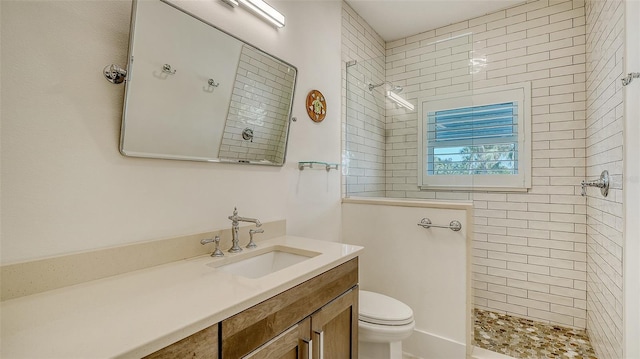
501	120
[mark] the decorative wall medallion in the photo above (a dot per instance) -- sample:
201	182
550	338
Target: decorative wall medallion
316	106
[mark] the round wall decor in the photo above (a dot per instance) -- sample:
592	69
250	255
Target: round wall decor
316	106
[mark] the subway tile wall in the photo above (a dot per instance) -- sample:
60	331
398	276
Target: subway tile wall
529	248
364	129
605	111
259	101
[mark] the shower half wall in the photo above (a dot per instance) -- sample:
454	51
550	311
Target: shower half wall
530	248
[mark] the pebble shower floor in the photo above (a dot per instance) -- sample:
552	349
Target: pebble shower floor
526	339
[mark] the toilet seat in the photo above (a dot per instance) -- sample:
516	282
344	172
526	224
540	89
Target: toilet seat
379	309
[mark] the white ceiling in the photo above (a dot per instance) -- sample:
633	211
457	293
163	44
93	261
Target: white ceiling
395	19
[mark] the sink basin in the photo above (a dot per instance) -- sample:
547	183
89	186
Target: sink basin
263	261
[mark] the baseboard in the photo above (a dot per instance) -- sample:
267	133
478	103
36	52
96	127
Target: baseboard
430	346
480	353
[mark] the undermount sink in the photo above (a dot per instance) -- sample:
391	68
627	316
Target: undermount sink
263	261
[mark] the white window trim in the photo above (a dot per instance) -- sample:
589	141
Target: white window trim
520	92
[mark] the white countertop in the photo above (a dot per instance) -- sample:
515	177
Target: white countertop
137	313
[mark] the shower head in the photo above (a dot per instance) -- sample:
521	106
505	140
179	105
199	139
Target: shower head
396	89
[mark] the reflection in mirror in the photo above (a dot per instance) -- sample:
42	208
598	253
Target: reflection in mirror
197	93
254	129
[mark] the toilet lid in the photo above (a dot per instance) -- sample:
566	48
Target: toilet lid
377	308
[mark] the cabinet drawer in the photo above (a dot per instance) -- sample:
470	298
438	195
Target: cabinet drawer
294	343
246	331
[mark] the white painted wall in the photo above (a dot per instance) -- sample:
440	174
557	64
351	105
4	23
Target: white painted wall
65	188
424	268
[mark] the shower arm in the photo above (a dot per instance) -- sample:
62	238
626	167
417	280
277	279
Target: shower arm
372	86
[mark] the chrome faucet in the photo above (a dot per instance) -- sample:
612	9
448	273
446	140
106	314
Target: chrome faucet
235	226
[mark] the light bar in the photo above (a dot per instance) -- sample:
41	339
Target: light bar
399	100
265	10
232	3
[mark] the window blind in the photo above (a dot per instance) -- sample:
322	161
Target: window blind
473	140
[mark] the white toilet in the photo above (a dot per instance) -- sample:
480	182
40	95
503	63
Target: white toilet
383	323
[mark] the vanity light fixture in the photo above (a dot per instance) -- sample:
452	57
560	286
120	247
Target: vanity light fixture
399	100
232	3
265	10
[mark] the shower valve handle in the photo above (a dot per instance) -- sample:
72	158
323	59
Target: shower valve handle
602	183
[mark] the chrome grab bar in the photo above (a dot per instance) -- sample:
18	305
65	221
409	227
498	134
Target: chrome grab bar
453	225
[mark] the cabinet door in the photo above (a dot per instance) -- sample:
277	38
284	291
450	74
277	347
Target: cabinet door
203	344
248	330
335	328
294	343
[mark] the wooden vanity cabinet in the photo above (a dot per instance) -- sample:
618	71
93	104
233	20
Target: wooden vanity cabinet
317	319
324	308
203	344
294	343
334	328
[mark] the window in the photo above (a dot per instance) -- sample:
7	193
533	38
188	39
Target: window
478	140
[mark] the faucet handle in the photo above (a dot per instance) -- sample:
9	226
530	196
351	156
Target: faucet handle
217	252
253	244
602	183
206	240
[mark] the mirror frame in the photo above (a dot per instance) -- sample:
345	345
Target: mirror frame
289	118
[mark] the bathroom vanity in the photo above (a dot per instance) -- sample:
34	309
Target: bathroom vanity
200	307
316	319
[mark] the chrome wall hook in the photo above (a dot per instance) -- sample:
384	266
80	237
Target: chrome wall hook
630	76
212	86
602	183
167	69
114	73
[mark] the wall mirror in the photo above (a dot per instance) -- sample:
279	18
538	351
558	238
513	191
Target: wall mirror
194	92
